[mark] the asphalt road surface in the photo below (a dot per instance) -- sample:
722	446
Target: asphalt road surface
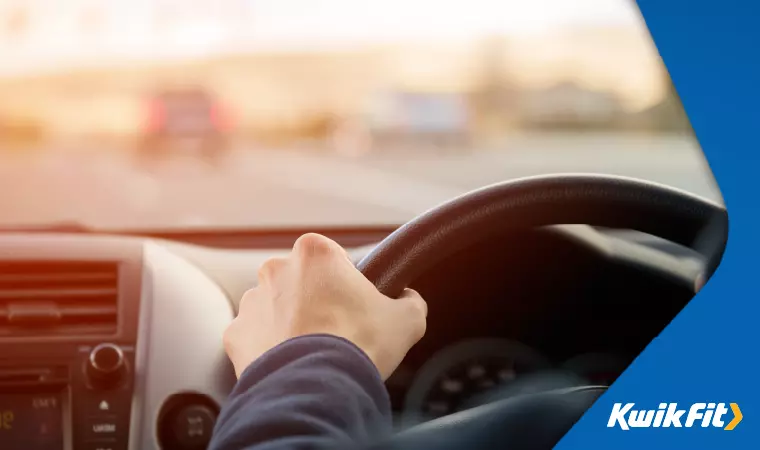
254	187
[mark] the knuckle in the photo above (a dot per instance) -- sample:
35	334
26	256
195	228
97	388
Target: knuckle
417	314
228	336
313	244
423	309
247	298
270	267
416	302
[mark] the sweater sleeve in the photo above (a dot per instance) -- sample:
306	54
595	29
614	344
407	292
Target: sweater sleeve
310	392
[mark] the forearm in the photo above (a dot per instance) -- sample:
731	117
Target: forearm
310	392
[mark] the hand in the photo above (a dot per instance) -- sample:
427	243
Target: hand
317	289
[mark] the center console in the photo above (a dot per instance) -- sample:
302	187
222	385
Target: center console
68	334
81	400
107	343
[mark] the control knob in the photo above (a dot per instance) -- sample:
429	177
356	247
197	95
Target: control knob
106	365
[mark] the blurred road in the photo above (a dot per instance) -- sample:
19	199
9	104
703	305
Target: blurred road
254	187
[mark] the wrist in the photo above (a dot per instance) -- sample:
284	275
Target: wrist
306	344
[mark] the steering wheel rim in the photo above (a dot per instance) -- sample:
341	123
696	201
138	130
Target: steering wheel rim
524	422
526	203
610	201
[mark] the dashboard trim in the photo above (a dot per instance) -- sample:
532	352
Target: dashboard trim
180	357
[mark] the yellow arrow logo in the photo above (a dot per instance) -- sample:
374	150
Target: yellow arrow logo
737	417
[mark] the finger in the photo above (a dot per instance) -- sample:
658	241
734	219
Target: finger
415	299
414	310
312	245
250	297
270	269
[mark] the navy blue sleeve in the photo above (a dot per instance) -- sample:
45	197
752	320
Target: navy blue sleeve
310	392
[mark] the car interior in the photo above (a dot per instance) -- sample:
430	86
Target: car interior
153	155
568	277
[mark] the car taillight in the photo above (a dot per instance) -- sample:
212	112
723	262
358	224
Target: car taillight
156	115
219	118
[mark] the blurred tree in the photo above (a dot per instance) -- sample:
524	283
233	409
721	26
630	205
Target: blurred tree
493	94
494	97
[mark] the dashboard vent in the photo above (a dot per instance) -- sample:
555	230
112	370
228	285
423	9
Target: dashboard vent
60	298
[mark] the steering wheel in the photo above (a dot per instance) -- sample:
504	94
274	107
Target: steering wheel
535	420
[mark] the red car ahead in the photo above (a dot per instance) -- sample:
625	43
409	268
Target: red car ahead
185	116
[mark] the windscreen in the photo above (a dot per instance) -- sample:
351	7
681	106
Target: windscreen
248	114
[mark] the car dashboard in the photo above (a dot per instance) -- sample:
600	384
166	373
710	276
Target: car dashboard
119	338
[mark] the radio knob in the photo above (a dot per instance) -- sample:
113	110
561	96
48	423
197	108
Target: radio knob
106	365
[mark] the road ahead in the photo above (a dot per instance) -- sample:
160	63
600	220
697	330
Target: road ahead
275	187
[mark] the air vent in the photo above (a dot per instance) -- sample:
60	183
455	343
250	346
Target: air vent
58	298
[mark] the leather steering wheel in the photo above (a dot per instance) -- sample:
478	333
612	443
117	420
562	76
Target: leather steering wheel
527	203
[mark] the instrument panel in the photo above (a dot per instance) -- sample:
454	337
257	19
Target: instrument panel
478	371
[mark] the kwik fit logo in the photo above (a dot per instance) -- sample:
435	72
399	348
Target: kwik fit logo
668	415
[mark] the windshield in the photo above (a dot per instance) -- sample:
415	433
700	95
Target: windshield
211	114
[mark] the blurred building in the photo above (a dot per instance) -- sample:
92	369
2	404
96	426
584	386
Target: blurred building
569	104
403	117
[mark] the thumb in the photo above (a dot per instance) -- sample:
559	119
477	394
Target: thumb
414	297
414	311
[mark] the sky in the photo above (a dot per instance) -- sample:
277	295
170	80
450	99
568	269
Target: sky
309	22
205	27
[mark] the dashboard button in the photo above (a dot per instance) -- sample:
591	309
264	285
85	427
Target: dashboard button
186	421
193	426
107	403
104	428
106	365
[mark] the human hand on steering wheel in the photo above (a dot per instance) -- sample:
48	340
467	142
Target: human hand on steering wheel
317	290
